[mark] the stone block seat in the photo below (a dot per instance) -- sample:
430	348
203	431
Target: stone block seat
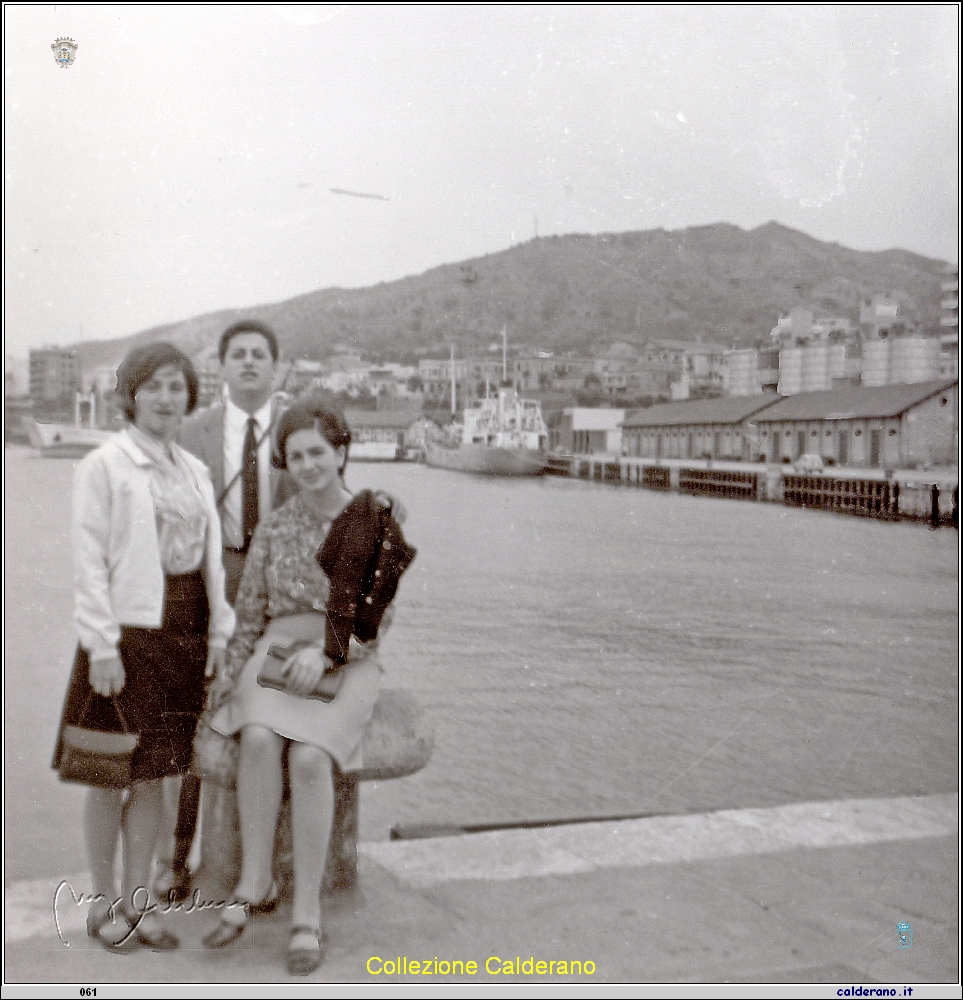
397	742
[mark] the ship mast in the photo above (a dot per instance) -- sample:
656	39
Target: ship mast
504	353
453	410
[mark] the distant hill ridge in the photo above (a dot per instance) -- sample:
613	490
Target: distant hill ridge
579	292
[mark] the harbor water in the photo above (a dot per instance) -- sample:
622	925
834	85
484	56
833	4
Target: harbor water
582	650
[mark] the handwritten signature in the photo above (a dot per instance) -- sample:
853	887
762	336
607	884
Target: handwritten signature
140	906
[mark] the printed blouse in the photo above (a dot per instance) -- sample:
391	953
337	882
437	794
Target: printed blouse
281	576
179	509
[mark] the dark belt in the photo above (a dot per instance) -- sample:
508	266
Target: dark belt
238	552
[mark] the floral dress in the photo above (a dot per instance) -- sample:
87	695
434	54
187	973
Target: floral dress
281	599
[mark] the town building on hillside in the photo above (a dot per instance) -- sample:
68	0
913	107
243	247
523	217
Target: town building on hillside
695	428
582	430
894	426
473	378
950	324
54	374
880	315
548	371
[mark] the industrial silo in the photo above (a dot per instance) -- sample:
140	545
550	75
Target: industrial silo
815	361
837	362
790	371
743	367
914	359
875	366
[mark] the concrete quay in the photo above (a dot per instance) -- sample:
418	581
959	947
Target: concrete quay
910	490
807	893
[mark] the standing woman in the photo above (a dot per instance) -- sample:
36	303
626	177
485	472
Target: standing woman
281	601
152	620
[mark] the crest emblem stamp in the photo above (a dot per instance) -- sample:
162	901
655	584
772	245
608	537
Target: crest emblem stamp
65	51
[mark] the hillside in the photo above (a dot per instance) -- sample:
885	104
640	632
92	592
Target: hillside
719	283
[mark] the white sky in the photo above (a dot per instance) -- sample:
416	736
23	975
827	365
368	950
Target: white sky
183	163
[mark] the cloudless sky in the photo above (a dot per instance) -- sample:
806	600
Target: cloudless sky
184	162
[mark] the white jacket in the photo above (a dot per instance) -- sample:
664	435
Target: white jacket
118	577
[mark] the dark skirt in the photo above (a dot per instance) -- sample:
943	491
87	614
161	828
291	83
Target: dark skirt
163	691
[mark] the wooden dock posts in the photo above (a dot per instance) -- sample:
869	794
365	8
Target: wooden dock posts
720	483
879	498
863	497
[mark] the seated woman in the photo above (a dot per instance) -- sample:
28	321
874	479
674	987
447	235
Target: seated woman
281	601
151	618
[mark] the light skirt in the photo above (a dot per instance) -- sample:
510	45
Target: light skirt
336	727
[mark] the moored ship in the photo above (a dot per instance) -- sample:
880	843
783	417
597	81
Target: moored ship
500	436
65	440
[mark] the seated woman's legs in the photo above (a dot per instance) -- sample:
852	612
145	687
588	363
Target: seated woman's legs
312	812
259	788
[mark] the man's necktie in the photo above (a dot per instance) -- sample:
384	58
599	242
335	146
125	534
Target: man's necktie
249	498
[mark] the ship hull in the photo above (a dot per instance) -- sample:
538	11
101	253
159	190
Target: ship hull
65	440
374	451
486	461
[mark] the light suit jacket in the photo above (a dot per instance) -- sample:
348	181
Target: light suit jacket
118	577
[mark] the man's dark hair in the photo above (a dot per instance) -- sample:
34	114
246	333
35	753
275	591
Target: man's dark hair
248	326
140	365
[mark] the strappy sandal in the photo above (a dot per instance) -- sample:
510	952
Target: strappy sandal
229	930
303	961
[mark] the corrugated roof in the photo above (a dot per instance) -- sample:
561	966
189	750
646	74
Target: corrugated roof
865	402
725	410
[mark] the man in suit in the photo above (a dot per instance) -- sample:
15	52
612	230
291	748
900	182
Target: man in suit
233	439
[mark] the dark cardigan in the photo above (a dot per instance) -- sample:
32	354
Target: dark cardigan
363	556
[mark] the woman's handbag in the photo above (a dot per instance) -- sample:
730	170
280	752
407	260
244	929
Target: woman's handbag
92	757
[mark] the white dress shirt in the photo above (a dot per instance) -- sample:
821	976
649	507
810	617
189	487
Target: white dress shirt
235	429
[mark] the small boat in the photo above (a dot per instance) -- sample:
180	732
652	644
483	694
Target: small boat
501	436
65	440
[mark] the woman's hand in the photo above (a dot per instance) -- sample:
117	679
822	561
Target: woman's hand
107	677
216	658
398	510
219	688
304	671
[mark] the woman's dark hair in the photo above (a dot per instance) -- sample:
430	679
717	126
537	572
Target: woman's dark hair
248	326
317	412
140	365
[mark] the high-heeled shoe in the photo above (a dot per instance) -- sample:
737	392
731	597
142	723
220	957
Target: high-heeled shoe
233	922
303	961
142	934
98	918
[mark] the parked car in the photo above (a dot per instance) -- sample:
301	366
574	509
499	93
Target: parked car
808	463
